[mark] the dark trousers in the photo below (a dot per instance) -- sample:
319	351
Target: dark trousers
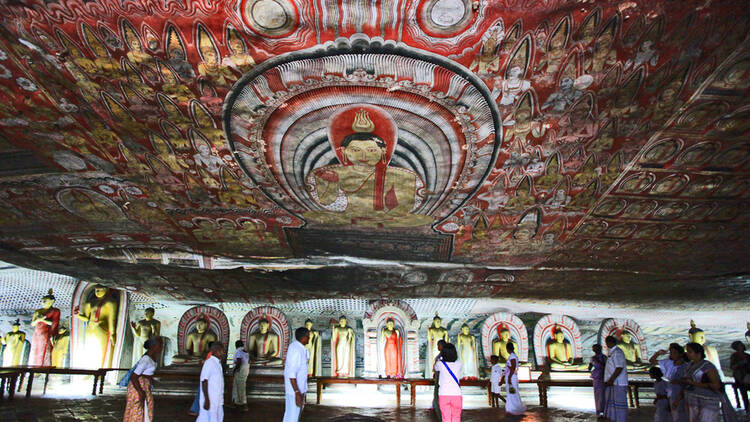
436	403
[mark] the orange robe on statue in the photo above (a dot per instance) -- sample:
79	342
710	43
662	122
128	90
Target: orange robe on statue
392	351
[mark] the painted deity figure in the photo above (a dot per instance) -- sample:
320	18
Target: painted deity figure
45	322
434	334
562	99
342	349
631	350
363	189
697	335
263	345
512	87
100	314
14	342
60	345
196	343
313	348
499	345
392	345
143	330
467	352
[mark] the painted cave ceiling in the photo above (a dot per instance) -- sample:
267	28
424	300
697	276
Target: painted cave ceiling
285	149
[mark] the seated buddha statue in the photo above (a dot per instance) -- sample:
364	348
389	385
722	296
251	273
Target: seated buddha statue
560	353
196	342
499	346
363	190
263	345
632	351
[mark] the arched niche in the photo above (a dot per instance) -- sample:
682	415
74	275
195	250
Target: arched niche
518	333
543	334
405	320
278	324
217	323
79	357
615	327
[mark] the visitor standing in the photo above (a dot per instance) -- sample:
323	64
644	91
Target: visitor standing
450	398
673	369
212	386
513	403
616	380
740	364
295	375
496	373
662	399
241	370
704	391
139	405
596	366
436	377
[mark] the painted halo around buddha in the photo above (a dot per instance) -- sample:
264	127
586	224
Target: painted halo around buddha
430	126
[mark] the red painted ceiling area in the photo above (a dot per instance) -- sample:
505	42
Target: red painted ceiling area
201	150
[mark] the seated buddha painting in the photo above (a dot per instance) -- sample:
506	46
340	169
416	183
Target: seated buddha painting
364	189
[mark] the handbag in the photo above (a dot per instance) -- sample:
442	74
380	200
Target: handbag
126	379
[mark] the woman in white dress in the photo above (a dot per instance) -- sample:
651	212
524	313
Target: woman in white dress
513	403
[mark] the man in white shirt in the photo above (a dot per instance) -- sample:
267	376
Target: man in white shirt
616	380
295	375
241	371
212	386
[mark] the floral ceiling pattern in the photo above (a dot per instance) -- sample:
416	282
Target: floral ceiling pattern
534	144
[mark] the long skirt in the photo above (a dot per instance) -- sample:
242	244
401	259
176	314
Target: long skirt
239	396
617	403
135	411
702	409
513	403
600	398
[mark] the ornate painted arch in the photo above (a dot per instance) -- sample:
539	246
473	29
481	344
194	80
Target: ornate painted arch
543	333
278	324
517	329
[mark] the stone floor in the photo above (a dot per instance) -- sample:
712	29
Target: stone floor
173	409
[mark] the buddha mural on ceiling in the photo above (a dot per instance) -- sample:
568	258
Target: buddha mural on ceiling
374	141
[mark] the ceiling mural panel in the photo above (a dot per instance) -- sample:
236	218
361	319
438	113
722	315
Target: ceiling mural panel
172	138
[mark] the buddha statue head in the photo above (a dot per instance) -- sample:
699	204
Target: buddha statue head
505	334
436	322
16	326
465	330
696	334
308	324
342	321
100	291
558	335
626	337
49	300
149	314
263	325
201	325
390	324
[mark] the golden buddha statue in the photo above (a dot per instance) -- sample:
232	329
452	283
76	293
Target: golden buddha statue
314	362
697	335
363	189
747	334
466	345
14	343
560	352
434	334
100	314
60	344
500	344
342	349
143	330
263	345
631	350
196	343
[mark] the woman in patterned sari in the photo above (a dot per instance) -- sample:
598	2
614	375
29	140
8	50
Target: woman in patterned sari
704	390
139	405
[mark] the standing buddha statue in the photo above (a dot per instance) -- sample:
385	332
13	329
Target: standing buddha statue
14	342
467	352
342	349
697	335
263	345
391	344
100	314
45	322
143	330
499	346
434	334
313	348
60	344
